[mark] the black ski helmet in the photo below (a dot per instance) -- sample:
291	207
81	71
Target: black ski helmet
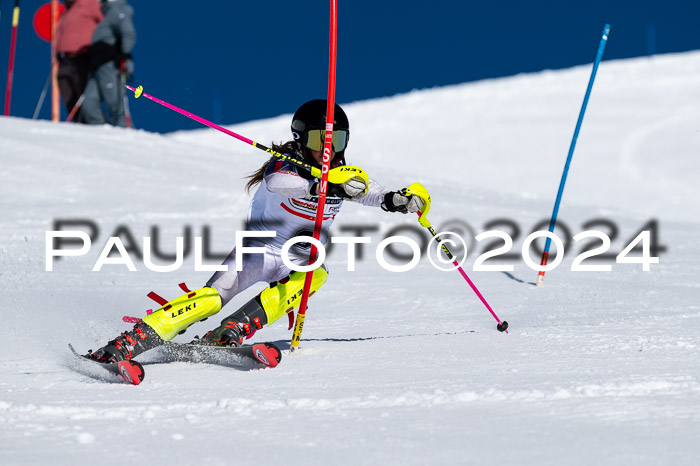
312	116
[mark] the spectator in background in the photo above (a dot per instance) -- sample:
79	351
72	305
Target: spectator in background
110	51
73	37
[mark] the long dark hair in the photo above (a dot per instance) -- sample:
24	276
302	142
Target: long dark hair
257	176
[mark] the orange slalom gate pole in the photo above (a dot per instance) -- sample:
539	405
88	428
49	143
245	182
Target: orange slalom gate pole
55	95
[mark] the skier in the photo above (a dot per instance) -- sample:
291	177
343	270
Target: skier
112	42
286	203
73	34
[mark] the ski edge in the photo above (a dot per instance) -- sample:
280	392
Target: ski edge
264	355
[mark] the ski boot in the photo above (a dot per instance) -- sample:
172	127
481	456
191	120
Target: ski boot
277	300
128	345
236	327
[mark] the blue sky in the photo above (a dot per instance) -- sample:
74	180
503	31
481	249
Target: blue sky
236	61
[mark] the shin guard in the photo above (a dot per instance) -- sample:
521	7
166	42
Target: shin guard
283	297
178	314
274	302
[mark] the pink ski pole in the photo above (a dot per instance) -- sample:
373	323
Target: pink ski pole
138	92
420	191
502	325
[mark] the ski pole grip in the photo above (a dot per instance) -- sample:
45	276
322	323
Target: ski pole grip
417	189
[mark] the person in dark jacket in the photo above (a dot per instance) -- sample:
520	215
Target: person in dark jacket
110	53
73	36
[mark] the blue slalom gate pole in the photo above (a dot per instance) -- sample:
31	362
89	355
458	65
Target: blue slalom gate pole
553	221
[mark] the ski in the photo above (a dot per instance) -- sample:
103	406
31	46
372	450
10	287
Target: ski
129	371
243	357
257	356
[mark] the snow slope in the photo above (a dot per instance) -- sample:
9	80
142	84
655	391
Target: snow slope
599	368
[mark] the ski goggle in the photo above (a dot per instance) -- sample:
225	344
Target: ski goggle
315	139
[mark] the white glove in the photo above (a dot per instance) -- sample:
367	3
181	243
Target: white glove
397	201
354	188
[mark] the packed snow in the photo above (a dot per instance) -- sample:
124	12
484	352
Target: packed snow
398	368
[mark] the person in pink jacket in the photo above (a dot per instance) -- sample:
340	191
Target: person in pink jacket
73	35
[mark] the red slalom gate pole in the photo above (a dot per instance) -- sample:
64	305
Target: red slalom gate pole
323	186
11	65
122	75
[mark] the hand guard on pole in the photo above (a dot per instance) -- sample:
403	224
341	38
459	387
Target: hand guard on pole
408	200
346	181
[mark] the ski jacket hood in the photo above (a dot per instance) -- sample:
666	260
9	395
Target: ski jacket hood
117	28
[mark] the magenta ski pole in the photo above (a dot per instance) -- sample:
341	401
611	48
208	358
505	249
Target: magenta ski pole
138	92
502	325
417	189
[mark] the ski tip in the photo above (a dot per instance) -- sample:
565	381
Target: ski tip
73	349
